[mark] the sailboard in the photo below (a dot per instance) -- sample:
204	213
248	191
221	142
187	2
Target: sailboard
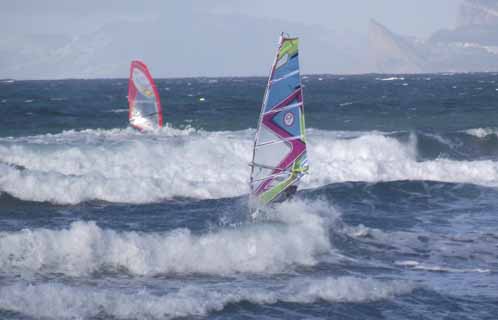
145	112
279	154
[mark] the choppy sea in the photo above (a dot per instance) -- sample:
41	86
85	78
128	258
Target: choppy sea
398	218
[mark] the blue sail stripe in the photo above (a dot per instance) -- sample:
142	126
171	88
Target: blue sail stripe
281	90
291	65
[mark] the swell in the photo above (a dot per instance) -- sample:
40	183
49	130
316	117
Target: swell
472	144
125	166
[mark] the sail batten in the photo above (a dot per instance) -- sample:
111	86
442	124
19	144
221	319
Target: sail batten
295	105
285	76
278	141
272	176
145	112
254	164
279	154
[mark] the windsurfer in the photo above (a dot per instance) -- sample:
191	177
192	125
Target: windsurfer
289	192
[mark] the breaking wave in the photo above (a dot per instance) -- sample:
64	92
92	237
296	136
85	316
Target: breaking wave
293	234
126	166
482	132
376	157
55	300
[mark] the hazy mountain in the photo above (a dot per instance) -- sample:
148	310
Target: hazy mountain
478	12
471	46
394	53
166	43
191	40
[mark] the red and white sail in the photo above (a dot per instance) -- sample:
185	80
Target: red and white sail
145	112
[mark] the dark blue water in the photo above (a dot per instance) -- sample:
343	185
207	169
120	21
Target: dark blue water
398	218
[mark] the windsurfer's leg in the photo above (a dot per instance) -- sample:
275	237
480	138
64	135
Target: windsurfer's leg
291	191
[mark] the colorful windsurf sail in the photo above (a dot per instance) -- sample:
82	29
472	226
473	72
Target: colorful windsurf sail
279	154
145	112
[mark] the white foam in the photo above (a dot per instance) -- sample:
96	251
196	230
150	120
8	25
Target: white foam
482	132
346	104
434	268
127	166
54	300
362	231
375	157
345	289
119	110
390	79
441	139
295	234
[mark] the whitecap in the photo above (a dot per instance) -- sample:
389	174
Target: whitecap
56	300
294	234
127	166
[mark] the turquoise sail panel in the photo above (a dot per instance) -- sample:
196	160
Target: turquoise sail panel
291	65
281	90
292	126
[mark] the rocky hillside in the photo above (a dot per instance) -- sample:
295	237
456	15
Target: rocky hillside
471	46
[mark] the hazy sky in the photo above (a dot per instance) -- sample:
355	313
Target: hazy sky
93	38
411	17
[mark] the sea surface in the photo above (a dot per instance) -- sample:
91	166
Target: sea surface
397	219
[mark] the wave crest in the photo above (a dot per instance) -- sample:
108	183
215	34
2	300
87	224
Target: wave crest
292	235
63	301
124	166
